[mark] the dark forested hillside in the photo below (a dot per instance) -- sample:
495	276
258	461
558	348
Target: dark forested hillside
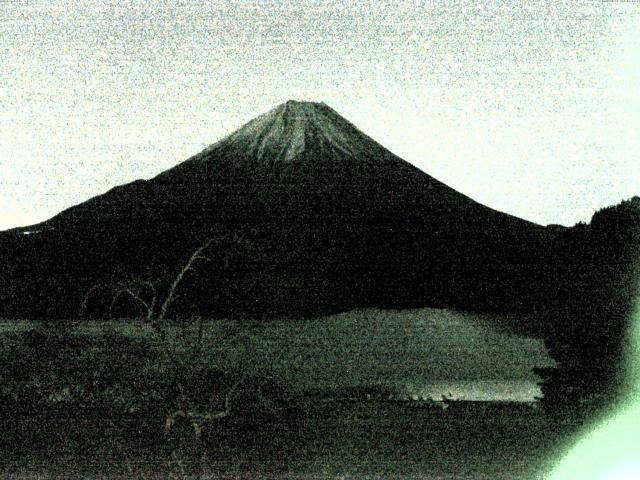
589	310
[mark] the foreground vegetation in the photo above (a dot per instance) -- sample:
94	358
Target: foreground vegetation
73	392
103	399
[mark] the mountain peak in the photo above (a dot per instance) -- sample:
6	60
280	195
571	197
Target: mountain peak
291	128
301	104
298	111
301	111
302	137
315	213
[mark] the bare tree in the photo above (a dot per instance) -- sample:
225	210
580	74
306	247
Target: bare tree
145	295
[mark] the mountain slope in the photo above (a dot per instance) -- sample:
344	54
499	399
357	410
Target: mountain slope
298	152
309	215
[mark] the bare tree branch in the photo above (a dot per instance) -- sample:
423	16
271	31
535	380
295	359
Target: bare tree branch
136	297
198	419
85	300
145	294
197	255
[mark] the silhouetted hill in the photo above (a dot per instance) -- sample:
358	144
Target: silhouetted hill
309	215
589	309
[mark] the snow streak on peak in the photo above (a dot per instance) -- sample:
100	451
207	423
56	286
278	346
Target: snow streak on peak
288	130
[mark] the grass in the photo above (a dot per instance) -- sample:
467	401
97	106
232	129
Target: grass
118	383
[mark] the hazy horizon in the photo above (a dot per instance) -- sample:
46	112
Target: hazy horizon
527	108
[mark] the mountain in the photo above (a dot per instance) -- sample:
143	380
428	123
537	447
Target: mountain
308	215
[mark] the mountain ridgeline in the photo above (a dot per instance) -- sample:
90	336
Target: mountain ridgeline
308	215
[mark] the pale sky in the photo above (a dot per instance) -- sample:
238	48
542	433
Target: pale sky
529	107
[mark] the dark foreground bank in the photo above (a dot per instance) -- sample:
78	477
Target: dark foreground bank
378	439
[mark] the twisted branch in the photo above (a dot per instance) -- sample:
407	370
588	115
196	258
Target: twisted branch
197	255
198	419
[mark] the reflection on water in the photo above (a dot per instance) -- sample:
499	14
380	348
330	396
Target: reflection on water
475	390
